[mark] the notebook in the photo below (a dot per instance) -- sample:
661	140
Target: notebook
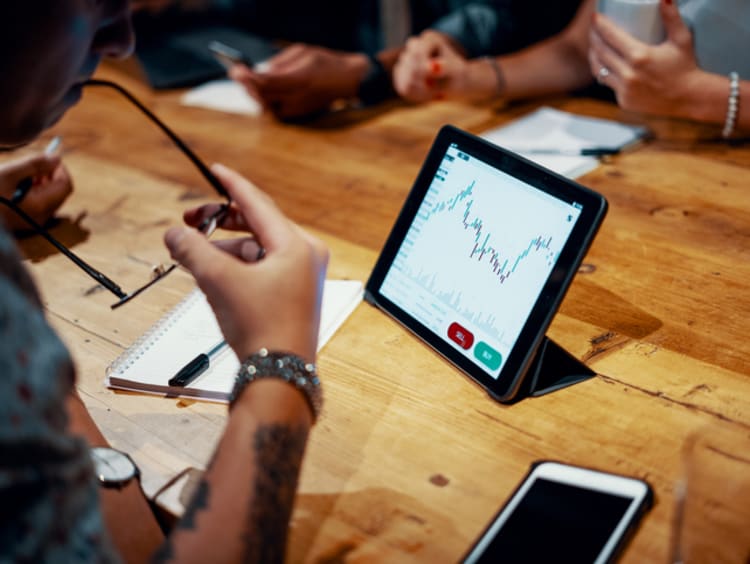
191	328
548	130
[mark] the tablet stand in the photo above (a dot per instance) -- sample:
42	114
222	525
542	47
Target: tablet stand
552	368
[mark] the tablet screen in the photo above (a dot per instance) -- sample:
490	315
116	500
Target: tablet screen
481	255
476	256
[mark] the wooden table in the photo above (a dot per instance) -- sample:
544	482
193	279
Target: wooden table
410	459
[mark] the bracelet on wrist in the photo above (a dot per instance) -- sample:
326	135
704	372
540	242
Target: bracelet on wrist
733	105
499	75
284	366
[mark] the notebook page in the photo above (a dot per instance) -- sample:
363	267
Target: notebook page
551	129
340	297
191	328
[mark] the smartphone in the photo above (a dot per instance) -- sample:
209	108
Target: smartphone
563	513
228	56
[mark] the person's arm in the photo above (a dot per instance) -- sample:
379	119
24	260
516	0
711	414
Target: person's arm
127	515
663	79
432	67
554	66
241	508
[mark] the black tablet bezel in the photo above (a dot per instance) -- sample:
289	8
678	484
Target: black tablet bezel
507	384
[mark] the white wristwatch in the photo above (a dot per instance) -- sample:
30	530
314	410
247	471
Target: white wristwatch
113	468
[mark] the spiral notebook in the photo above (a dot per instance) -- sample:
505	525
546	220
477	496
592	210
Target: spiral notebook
189	329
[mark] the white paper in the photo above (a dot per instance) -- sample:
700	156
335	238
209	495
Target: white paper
551	129
224	96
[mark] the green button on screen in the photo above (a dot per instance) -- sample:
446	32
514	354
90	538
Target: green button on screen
488	356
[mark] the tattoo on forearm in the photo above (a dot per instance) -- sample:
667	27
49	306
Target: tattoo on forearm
198	502
278	450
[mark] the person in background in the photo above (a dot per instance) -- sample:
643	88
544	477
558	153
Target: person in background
54	508
698	72
346	51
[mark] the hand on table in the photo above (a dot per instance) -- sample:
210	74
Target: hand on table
271	302
303	79
656	79
51	186
432	67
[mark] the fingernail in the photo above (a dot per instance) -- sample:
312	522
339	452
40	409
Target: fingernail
435	67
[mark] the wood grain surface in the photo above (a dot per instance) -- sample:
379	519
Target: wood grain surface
410	459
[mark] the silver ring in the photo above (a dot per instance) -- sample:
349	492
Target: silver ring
261	253
602	74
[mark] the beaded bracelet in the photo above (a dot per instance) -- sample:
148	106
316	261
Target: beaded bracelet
733	105
285	366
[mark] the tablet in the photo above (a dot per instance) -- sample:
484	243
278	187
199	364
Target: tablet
481	256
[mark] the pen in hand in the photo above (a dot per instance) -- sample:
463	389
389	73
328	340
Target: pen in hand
196	367
25	184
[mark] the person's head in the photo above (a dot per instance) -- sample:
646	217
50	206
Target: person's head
48	48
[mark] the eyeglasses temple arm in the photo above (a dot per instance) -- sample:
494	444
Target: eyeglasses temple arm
169	133
87	268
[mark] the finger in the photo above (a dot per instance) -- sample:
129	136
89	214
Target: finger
606	57
617	39
263	217
193	251
286	56
29	166
674	25
233	221
50	193
247	249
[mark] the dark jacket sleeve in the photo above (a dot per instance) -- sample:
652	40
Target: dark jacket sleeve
505	26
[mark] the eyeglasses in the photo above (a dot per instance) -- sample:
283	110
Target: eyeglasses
207	226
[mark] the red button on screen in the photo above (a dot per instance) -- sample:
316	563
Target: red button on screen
460	335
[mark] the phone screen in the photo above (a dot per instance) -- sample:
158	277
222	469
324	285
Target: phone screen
564	520
557	522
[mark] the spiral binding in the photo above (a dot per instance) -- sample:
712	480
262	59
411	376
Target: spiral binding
130	355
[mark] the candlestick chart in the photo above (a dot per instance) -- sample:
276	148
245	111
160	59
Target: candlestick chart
478	252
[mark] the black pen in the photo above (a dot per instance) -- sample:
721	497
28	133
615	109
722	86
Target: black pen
196	367
25	184
585	152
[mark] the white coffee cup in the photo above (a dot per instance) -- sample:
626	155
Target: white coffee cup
640	18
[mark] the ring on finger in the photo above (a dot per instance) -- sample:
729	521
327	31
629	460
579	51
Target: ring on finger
603	73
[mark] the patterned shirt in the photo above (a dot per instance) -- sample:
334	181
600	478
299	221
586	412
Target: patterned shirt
49	504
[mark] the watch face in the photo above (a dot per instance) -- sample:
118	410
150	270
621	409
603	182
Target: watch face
113	467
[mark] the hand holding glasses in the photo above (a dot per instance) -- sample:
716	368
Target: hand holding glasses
207	226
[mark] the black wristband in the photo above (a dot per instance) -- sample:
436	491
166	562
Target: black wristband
376	85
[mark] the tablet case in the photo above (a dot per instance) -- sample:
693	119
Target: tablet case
552	369
549	367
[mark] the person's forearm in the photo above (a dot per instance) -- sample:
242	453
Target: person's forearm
241	508
706	99
546	69
555	66
129	519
